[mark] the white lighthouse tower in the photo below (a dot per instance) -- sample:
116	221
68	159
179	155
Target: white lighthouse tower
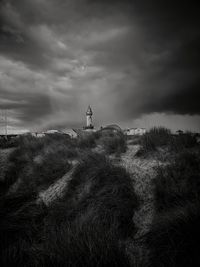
89	118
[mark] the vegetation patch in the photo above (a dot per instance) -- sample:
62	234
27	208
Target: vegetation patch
112	142
93	222
90	226
161	139
178	182
175	235
21	224
39	162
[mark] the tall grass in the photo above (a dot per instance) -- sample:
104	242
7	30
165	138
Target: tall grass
92	223
8	143
179	181
112	142
39	162
161	137
87	141
20	230
90	226
154	138
175	234
183	141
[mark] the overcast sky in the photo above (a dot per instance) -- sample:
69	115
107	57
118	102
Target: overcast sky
137	63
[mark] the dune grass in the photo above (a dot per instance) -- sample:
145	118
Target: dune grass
161	139
39	162
20	230
179	181
175	233
89	226
92	223
112	142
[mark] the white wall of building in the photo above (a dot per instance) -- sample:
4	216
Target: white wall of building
135	131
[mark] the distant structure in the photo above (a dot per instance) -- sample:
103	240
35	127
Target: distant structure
38	135
71	132
112	127
67	132
135	131
89	114
179	132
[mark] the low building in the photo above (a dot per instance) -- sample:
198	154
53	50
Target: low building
135	131
179	132
39	135
52	132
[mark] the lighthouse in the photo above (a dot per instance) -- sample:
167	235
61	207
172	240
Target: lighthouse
89	118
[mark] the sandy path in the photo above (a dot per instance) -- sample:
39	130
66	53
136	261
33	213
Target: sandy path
57	189
142	171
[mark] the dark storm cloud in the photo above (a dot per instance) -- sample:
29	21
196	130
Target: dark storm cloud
127	58
178	102
16	41
162	45
28	31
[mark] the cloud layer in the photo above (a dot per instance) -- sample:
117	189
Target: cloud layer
125	58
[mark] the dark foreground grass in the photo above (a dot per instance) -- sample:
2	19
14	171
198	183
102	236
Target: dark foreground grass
175	233
175	236
20	229
179	181
95	219
90	226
